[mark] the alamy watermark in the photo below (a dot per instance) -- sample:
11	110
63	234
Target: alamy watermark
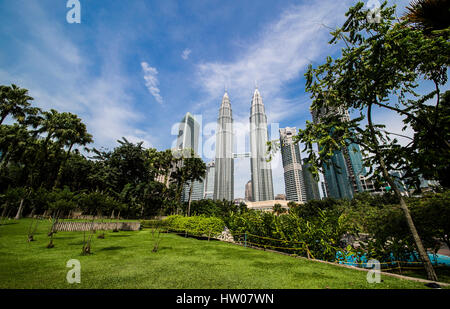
74	14
74	274
373	275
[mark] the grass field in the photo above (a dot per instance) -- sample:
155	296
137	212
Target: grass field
126	260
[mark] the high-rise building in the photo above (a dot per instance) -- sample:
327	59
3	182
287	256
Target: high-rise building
224	169
280	197
209	181
292	165
248	191
262	186
188	133
197	191
188	137
342	175
311	184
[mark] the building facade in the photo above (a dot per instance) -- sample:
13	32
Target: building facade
248	191
342	174
261	171
292	165
208	191
311	184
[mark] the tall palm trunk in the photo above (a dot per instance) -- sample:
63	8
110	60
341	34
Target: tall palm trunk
431	274
19	211
189	201
61	167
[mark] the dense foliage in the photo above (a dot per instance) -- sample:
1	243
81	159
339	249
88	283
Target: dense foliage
196	225
375	226
46	168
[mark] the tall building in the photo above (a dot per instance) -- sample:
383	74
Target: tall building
248	191
292	165
342	176
188	133
197	191
209	181
311	184
224	170
188	137
262	186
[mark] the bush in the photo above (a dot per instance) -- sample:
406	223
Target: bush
196	225
316	235
153	224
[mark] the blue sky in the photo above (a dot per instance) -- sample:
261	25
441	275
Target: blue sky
134	68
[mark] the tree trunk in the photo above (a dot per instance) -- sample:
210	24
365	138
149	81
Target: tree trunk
61	167
3	118
112	214
431	274
19	211
189	201
4	210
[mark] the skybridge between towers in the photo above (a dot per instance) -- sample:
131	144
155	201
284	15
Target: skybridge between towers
241	155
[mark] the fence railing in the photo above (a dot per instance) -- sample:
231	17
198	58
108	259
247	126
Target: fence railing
97	226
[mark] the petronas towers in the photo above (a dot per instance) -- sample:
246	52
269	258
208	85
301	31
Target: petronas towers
262	186
224	176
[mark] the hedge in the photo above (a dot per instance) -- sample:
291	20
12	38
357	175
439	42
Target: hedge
196	225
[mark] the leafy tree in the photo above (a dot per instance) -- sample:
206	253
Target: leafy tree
278	209
73	133
14	101
379	61
196	170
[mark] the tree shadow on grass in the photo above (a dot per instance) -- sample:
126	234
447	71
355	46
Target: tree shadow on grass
9	223
119	235
111	248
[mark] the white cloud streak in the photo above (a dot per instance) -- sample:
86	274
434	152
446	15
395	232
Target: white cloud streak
151	81
185	54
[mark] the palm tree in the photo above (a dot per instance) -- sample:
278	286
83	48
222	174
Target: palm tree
14	102
278	209
428	15
73	132
196	172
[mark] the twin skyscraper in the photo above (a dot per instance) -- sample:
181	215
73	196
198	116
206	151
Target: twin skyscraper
261	171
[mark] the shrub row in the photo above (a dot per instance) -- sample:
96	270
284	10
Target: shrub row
153	224
196	225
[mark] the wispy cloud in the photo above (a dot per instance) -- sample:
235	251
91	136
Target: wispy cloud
57	73
185	54
278	55
151	81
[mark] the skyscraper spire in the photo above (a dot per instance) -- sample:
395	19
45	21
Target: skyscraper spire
224	173
262	185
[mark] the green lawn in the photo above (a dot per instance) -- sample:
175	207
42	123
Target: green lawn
126	260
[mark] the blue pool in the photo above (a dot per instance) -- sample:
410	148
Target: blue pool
352	260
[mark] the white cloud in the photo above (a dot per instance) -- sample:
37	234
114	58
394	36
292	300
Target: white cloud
151	81
57	74
185	54
278	55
